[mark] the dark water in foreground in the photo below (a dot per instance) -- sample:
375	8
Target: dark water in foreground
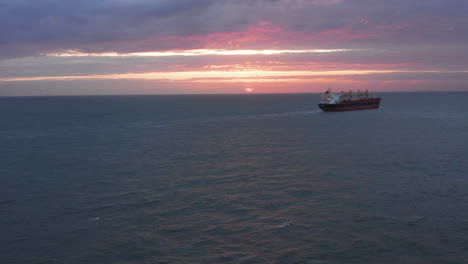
233	179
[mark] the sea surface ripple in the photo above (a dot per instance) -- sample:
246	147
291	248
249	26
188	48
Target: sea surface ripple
233	179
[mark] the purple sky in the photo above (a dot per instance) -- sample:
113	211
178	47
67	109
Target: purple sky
371	44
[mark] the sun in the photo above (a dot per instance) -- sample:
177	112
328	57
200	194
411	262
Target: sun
249	90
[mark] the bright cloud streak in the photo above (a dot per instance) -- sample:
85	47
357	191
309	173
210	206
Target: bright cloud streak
207	75
196	52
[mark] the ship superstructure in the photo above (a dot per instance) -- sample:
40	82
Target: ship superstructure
348	101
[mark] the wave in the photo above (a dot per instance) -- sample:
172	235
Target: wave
230	118
21	136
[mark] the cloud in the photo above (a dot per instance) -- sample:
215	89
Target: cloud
408	59
195	36
51	24
30	27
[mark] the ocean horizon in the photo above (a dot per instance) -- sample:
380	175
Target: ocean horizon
244	93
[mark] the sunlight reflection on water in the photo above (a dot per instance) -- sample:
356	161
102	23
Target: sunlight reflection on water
230	179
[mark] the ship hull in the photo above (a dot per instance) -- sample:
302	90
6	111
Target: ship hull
351	105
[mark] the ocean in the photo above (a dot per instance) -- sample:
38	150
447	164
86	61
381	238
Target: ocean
245	178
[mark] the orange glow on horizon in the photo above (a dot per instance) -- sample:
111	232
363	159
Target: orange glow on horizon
196	75
220	76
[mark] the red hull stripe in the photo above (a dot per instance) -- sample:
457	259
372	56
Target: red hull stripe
350	108
352	105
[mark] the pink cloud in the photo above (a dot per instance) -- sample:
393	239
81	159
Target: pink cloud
263	33
266	35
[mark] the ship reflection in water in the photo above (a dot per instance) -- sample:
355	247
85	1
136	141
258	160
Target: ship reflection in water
332	102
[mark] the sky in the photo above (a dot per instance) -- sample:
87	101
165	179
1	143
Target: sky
89	47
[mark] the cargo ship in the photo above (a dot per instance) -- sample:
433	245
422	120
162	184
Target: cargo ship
332	102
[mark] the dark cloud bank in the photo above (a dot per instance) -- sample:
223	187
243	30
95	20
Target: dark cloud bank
32	27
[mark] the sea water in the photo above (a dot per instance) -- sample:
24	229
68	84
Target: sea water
233	179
